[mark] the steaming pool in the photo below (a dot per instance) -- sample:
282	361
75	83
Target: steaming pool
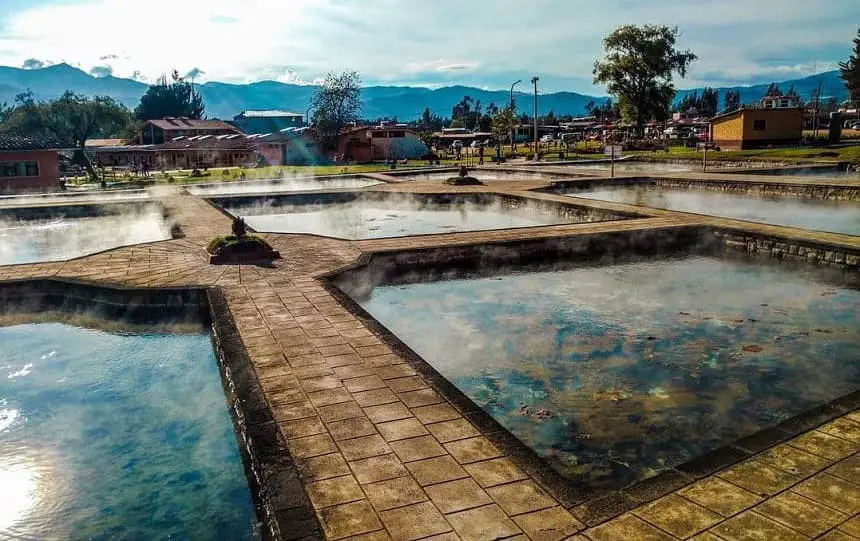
281	185
55	233
614	373
379	215
603	167
484	174
819	171
819	215
114	432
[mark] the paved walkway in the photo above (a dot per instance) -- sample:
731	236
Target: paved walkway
382	456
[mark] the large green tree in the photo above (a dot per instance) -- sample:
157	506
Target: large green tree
170	98
732	100
638	67
71	119
850	71
504	122
336	104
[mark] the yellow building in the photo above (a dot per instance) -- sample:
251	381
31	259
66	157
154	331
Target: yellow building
757	128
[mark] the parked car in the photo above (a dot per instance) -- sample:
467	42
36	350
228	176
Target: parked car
548	138
457	144
855	125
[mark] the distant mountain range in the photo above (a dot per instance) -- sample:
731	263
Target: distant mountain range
225	100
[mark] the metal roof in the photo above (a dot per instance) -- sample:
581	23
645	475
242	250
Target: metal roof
267	113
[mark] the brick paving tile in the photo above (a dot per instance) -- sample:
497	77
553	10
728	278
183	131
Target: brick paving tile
414	522
351	428
394	371
483	524
393	493
322	467
421	397
472	450
377	468
305	427
435	413
352	371
380	535
843	428
822	444
705	536
758	478
720	496
329	397
458	495
678	516
799	513
793	460
365	447
836	535
436	470
312	446
831	491
339	412
351	519
402	385
401	429
450	536
417	448
365	383
851	526
520	497
848	469
495	472
550	524
286	397
627	527
457	429
375	397
335	491
387	412
749	526
320	384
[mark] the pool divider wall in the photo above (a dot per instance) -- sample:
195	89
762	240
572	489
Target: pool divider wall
819	190
280	499
590	506
282	507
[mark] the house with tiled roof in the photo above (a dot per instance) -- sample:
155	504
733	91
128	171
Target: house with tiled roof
28	164
156	132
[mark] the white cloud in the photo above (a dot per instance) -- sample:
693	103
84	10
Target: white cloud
415	41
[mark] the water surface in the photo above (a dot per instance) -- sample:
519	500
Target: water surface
371	220
285	185
116	435
614	373
63	237
633	167
832	216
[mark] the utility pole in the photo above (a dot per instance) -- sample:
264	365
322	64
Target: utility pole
513	130
535	82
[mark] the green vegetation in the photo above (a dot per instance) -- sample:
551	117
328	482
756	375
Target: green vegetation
808	155
638	69
248	241
850	71
174	98
336	104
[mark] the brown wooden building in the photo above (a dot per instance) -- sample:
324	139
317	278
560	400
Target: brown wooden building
757	127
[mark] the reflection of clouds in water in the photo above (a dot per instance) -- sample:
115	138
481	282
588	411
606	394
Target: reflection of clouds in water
645	359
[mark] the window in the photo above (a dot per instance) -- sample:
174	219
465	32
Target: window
19	169
759	125
397	134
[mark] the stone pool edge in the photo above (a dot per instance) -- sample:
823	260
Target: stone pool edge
590	506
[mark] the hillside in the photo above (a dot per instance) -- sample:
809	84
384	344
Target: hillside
224	100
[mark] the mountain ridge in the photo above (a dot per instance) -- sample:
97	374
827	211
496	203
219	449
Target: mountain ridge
224	100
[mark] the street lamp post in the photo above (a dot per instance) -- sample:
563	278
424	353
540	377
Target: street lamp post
535	82
513	135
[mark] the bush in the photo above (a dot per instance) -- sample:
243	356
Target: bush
241	244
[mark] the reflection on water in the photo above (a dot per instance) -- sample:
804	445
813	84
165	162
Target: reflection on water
484	174
277	186
369	220
55	239
116	436
836	217
831	172
615	373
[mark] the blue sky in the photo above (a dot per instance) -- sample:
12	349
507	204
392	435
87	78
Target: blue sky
432	43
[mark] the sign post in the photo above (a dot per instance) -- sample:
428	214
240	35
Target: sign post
612	151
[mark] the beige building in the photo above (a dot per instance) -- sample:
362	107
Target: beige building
757	128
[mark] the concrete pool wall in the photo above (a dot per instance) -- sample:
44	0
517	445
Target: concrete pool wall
277	495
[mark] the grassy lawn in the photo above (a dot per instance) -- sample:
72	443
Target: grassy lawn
798	154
